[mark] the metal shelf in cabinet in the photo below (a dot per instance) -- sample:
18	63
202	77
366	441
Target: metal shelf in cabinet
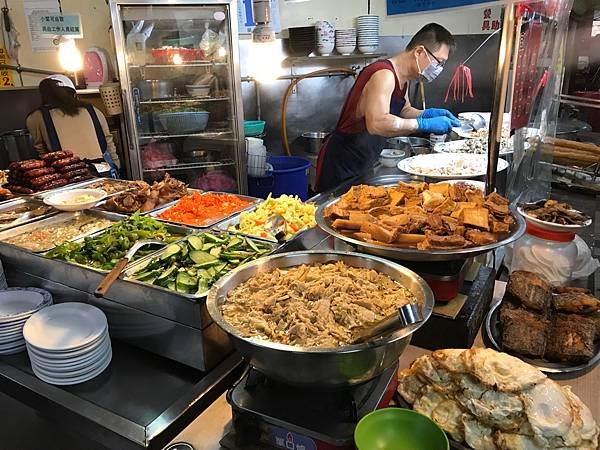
193	166
190	64
205	134
184	100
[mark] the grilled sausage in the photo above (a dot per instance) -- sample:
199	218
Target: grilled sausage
71	167
20	189
65	162
29	164
35	173
54	184
45	179
75	173
53	156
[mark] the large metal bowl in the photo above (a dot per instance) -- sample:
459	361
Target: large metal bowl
314	367
414	254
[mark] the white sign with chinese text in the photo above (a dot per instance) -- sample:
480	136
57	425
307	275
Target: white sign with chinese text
61	25
34	10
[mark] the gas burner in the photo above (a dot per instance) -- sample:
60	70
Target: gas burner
271	413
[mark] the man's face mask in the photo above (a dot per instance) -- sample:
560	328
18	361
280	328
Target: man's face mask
432	71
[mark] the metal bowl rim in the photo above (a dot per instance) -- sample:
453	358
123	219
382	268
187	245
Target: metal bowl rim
215	313
449	254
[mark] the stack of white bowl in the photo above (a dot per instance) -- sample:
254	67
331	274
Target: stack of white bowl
16	306
368	33
345	41
325	37
68	343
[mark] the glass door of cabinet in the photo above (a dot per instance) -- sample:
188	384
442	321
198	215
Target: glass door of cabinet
183	116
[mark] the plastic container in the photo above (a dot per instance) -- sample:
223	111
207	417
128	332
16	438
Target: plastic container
111	97
550	254
184	122
289	176
254	127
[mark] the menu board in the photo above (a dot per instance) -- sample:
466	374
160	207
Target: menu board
411	6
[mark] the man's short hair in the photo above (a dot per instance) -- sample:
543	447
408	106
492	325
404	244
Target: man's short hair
432	36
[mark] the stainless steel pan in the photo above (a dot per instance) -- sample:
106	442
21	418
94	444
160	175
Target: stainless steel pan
314	367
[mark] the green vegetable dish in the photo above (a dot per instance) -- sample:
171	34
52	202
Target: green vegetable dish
103	251
193	265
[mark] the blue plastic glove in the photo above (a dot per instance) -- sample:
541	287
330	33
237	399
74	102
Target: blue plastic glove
430	113
437	125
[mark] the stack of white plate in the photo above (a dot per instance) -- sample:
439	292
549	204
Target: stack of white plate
68	343
368	33
16	306
345	41
325	37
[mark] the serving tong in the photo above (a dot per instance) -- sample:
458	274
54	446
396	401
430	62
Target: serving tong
404	317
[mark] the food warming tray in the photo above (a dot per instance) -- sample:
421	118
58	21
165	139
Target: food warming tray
143	262
255	201
493	333
9	205
56	220
414	254
86	184
171	228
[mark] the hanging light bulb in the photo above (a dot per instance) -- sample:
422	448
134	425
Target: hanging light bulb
69	56
177	59
265	60
221	52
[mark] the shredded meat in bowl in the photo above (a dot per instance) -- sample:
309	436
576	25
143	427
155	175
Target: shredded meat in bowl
319	305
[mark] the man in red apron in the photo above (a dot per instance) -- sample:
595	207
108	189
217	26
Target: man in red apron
377	108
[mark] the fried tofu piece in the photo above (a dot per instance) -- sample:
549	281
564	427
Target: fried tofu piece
336	211
460	206
475	196
344	224
481	237
397	221
440	188
446	207
360	217
571	338
499	227
432	200
378	232
413	201
476	217
494	208
496	198
396	197
411	189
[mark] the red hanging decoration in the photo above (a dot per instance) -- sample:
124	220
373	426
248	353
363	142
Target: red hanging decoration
461	84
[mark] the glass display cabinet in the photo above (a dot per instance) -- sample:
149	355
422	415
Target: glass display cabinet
180	82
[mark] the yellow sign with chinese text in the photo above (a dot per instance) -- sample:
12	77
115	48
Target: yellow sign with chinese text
6	78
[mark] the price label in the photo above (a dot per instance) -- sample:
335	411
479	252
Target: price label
6	77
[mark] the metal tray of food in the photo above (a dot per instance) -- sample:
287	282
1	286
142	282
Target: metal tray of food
234	221
56	220
493	333
171	228
414	254
29	210
143	262
255	201
119	186
100	206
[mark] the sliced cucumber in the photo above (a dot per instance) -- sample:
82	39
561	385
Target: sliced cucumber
212	238
195	242
215	251
171	250
200	257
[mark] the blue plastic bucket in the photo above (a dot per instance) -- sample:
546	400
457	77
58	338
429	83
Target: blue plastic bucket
290	176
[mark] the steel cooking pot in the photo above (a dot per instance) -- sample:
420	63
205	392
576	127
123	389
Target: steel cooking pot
314	367
411	145
153	89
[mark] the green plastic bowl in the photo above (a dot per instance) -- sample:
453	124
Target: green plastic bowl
254	127
399	429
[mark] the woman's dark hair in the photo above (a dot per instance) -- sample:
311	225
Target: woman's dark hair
432	36
56	96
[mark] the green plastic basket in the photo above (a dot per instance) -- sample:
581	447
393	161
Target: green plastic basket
254	127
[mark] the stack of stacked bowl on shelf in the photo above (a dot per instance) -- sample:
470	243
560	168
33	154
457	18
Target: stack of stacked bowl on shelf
368	33
345	41
325	37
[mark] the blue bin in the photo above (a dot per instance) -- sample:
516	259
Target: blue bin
290	176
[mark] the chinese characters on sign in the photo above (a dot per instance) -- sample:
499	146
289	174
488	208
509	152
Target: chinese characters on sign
34	10
490	23
61	25
6	78
410	6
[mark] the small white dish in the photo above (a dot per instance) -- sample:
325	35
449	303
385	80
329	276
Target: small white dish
556	227
389	157
75	199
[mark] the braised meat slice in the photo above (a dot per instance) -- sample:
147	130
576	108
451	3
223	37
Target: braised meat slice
571	338
523	332
480	237
529	289
435	242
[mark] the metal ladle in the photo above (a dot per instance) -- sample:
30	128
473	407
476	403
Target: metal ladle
276	226
112	276
405	316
